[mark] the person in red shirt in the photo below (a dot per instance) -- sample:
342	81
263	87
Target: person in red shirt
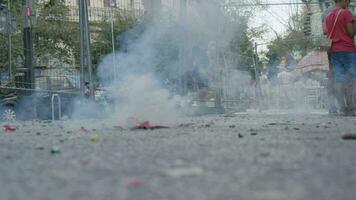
339	27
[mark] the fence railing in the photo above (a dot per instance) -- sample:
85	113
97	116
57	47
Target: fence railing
100	13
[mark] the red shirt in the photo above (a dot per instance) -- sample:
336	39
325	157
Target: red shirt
342	41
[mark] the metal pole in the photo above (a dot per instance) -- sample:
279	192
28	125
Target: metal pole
255	62
81	20
113	40
10	45
59	106
182	50
257	86
87	35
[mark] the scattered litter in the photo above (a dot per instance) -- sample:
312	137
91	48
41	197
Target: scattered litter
9	128
119	127
180	172
134	182
265	154
39	147
206	125
275	123
349	136
186	125
75	136
230	114
94	138
84	130
87	162
55	150
146	125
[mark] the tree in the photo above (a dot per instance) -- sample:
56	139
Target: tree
102	39
241	47
16	38
294	40
55	34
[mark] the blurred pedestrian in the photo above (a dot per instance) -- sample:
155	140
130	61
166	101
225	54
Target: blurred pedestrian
87	91
265	90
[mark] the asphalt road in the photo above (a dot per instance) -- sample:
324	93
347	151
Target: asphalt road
248	156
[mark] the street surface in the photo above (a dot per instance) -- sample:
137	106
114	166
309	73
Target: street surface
257	156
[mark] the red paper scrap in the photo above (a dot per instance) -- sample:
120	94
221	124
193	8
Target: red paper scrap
134	182
146	125
9	128
84	130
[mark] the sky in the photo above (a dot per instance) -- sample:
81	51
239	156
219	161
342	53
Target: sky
275	17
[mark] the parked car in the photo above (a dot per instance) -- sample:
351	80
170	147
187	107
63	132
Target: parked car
21	103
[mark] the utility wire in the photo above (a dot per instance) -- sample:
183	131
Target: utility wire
278	18
236	4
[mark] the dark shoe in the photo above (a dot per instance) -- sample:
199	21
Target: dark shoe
333	111
349	112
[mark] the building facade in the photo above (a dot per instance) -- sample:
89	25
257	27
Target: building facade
101	9
315	10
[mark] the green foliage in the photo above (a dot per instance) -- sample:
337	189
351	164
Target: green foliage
16	38
54	33
294	40
102	39
241	48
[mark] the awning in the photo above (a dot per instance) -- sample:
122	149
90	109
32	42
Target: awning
315	60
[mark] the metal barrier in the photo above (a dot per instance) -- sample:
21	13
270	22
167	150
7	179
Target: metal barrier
59	106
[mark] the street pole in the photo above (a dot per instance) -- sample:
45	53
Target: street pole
87	36
113	40
85	56
28	45
10	45
257	86
81	22
182	49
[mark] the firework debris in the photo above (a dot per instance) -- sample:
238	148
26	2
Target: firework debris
134	182
349	136
9	128
83	130
147	125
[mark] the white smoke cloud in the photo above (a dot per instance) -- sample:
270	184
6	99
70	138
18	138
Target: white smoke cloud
149	69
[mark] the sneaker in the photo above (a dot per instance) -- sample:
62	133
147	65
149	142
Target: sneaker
348	112
333	111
